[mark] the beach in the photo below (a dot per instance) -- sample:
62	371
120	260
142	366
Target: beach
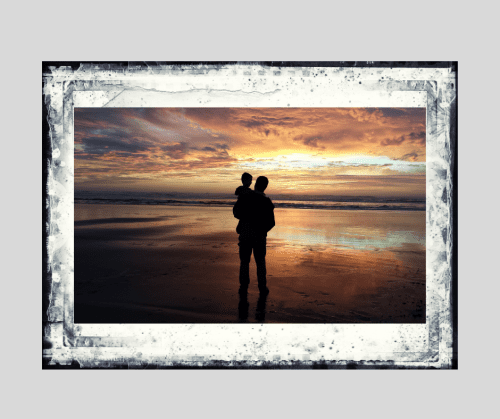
180	264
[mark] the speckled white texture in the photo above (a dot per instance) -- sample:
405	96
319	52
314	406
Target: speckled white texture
426	345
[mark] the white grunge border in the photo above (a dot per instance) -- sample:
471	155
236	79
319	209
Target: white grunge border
426	345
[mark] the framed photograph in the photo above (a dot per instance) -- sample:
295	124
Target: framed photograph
250	215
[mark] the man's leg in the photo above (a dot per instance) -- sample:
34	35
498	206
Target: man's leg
245	255
259	253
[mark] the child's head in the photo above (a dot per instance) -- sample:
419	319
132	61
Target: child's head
246	179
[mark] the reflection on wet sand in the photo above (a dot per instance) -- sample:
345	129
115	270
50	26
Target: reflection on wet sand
243	308
183	265
260	311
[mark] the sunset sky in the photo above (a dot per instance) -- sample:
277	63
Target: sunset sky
317	151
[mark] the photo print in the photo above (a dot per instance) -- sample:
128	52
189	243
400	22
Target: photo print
249	215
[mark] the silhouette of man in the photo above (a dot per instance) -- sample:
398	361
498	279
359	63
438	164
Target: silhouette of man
256	214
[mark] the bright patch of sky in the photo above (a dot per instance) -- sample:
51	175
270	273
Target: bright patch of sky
306	161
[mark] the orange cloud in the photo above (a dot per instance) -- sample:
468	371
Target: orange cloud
311	147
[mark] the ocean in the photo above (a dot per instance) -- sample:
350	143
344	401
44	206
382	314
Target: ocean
321	202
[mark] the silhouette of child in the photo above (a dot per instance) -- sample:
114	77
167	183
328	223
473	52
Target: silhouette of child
246	179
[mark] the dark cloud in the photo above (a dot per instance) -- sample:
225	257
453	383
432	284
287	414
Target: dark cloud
253	123
215	148
258	121
311	141
408	113
409	157
105	117
393	112
175	151
103	145
125	154
123	117
394	141
414	138
417	137
221	146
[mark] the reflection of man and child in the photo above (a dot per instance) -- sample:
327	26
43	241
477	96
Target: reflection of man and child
255	213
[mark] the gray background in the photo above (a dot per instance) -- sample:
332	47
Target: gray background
418	32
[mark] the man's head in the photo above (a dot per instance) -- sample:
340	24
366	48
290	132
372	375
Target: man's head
246	179
261	183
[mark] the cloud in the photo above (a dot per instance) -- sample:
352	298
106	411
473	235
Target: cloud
148	143
394	141
261	121
409	157
309	141
106	144
176	150
417	138
393	178
393	112
366	115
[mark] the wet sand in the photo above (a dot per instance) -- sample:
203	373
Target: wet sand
159	264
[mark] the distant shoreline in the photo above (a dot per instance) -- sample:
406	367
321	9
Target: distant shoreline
325	205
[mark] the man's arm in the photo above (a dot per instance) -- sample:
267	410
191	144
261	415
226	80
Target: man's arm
271	221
